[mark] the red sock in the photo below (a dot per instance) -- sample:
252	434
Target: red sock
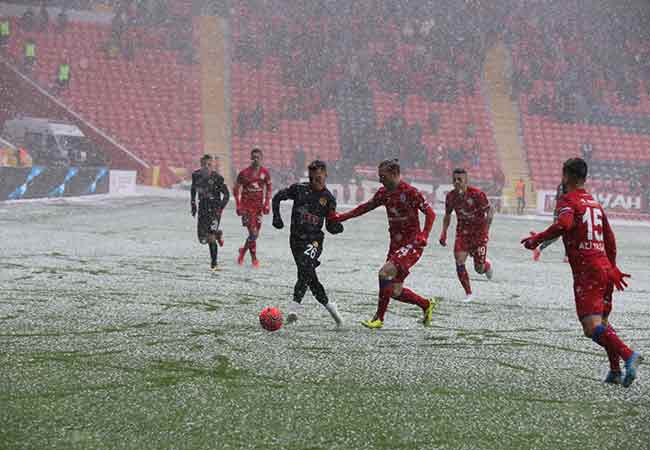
606	337
614	361
385	293
245	247
463	276
408	296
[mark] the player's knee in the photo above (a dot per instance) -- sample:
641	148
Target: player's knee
397	290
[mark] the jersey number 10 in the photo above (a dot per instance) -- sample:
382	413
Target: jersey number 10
594	220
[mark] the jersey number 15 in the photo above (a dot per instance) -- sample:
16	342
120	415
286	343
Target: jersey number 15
593	217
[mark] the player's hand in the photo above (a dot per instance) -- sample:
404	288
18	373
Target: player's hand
334	217
443	239
277	222
618	278
421	240
531	242
334	227
266	209
193	209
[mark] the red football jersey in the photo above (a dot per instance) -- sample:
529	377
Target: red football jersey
471	208
587	235
402	206
252	184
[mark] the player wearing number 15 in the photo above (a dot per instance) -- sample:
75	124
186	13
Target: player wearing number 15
591	247
312	204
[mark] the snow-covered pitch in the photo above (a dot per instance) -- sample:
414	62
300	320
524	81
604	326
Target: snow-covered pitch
114	334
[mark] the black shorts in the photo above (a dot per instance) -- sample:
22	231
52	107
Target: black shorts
306	252
208	224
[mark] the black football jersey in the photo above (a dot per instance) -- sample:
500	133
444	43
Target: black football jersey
310	209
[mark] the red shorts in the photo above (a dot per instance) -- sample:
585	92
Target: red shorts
475	246
404	258
252	218
593	292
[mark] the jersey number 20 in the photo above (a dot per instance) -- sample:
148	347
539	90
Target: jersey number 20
594	220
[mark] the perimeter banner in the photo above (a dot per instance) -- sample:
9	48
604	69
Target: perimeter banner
18	183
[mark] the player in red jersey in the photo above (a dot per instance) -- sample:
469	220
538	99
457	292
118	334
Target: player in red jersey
474	216
591	246
254	184
407	240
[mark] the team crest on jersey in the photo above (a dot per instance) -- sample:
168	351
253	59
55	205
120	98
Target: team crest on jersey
402	197
322	201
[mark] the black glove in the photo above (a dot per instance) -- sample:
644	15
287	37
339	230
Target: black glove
277	222
193	209
334	227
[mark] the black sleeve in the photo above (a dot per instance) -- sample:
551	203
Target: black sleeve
332	227
225	195
282	195
193	189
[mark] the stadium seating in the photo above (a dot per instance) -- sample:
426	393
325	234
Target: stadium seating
151	104
261	82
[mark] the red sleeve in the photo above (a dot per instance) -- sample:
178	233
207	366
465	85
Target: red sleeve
563	224
236	188
269	189
374	202
423	205
610	241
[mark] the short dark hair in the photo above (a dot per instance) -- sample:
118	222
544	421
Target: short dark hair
205	158
392	165
459	171
575	168
256	150
317	165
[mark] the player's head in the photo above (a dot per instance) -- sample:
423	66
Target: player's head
389	173
459	179
317	174
205	161
256	157
574	173
214	164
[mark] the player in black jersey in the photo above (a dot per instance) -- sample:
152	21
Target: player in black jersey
213	197
312	204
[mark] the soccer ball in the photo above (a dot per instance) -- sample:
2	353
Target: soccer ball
271	318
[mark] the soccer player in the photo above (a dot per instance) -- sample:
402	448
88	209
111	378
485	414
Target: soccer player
473	216
312	204
561	190
213	198
590	243
254	183
407	239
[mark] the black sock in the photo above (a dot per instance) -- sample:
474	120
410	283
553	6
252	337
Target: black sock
213	252
318	291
